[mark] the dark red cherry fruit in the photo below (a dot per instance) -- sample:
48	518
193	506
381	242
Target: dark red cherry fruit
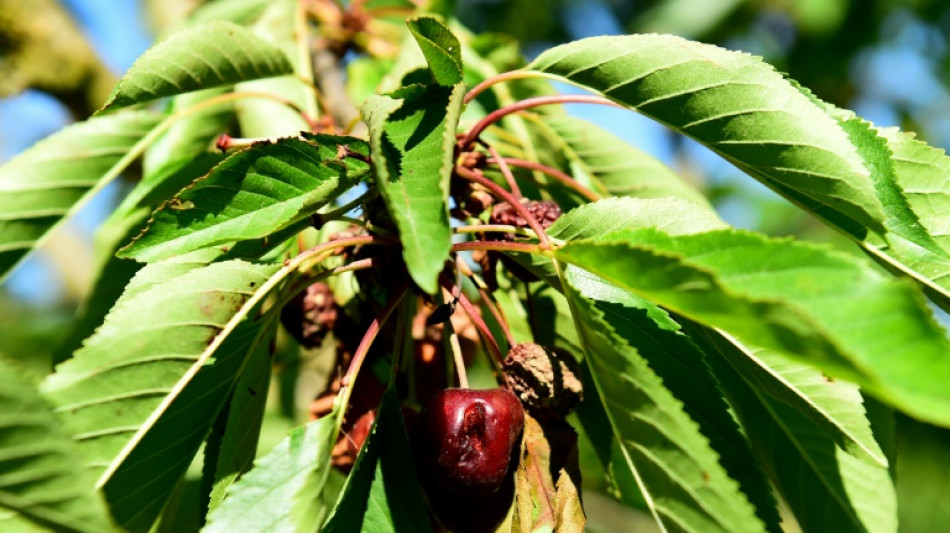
464	440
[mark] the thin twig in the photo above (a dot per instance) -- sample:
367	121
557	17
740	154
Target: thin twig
563	178
498	78
477	177
505	171
528	103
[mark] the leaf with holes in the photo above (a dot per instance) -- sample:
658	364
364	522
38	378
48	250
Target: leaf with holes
251	195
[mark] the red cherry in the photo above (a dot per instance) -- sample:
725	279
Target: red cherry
464	440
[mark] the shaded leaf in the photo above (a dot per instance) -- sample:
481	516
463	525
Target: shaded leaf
193	133
199	57
827	488
412	134
382	492
42	485
678	473
440	47
251	195
285	489
683	368
51	180
233	450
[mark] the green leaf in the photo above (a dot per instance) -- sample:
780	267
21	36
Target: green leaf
683	369
164	453
827	488
834	406
199	57
235	448
879	187
797	299
733	103
42	486
613	165
142	392
441	48
680	476
52	180
284	490
412	135
251	195
382	492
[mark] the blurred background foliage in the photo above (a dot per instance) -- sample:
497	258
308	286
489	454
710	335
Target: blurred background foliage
889	60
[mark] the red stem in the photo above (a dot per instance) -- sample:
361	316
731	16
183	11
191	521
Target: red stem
505	171
483	330
565	179
360	355
528	103
477	177
499	246
488	82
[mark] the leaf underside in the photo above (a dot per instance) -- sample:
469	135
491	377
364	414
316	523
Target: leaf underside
200	57
878	186
50	181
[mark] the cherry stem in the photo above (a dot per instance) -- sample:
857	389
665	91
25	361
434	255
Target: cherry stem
489	300
490	343
529	103
561	177
498	246
459	360
363	349
498	78
497	190
505	171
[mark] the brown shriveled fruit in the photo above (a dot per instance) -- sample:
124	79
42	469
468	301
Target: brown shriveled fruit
310	315
546	380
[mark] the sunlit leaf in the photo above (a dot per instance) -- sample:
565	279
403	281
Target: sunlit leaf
412	134
824	159
440	47
827	488
199	57
800	300
141	394
285	489
52	180
251	195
